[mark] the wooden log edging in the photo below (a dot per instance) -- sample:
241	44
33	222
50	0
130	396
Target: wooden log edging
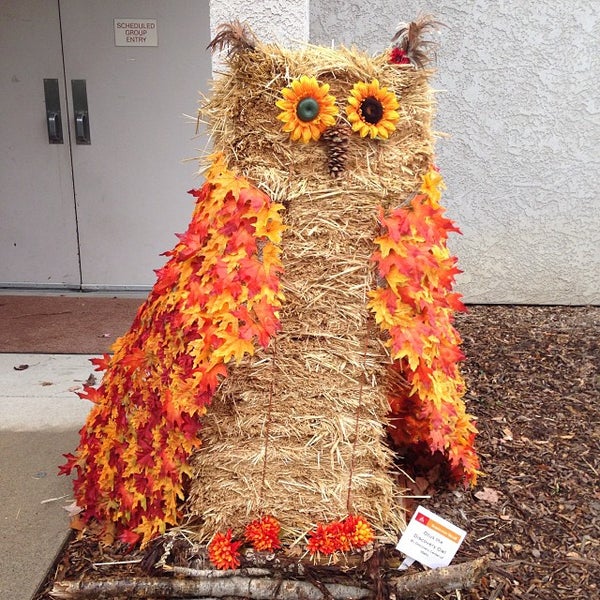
232	587
455	577
447	579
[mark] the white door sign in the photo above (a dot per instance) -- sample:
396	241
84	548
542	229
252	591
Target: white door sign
136	32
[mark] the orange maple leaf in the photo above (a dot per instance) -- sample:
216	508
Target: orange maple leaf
414	307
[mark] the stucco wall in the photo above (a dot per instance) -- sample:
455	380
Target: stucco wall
519	96
284	21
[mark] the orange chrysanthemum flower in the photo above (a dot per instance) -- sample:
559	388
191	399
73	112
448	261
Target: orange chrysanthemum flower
263	534
323	540
359	531
307	109
352	532
371	110
223	552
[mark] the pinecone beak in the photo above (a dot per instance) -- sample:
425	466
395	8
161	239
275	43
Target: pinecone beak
336	138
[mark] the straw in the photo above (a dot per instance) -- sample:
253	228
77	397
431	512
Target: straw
298	430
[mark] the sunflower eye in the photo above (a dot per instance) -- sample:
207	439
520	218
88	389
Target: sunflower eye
371	110
307	109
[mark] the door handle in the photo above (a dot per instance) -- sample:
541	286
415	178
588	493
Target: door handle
81	127
53	118
54	128
80	112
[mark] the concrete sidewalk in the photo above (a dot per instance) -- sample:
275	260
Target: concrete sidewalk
40	415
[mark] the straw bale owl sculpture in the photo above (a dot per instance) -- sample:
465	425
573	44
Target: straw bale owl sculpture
300	334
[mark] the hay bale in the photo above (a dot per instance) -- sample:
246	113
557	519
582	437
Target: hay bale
298	430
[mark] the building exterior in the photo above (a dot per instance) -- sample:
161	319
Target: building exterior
517	99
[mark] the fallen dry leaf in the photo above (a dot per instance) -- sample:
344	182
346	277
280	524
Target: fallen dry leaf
72	509
77	523
489	495
420	486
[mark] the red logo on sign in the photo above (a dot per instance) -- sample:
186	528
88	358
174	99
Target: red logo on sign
421	518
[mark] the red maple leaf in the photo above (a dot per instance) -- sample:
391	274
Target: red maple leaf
92	394
69	465
167	277
396	224
101	364
129	537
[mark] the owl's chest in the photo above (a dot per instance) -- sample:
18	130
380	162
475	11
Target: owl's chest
326	255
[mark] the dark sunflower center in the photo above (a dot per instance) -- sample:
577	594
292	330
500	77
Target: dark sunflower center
307	109
371	110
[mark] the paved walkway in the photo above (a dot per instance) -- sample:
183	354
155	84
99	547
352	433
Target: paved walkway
40	415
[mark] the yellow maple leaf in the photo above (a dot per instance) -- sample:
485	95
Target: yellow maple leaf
432	185
148	528
408	352
268	223
229	183
217	167
234	348
395	279
232	259
387	244
378	306
222	177
186	270
270	257
222	304
107	478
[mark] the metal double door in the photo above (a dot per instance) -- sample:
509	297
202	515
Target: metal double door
93	137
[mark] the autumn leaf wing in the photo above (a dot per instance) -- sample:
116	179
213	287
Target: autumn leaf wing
216	299
415	306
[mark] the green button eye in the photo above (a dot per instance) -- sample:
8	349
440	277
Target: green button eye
307	109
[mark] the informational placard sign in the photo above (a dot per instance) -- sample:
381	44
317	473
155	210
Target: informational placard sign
136	32
430	539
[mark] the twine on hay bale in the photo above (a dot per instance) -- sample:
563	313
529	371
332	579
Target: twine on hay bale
298	430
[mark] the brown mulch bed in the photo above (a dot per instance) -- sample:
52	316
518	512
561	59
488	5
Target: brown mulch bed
534	381
533	375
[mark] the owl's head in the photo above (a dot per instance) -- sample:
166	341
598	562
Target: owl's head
318	118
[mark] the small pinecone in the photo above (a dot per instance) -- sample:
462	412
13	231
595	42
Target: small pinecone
336	138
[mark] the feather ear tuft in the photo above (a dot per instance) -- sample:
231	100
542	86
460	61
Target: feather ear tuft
410	43
235	36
